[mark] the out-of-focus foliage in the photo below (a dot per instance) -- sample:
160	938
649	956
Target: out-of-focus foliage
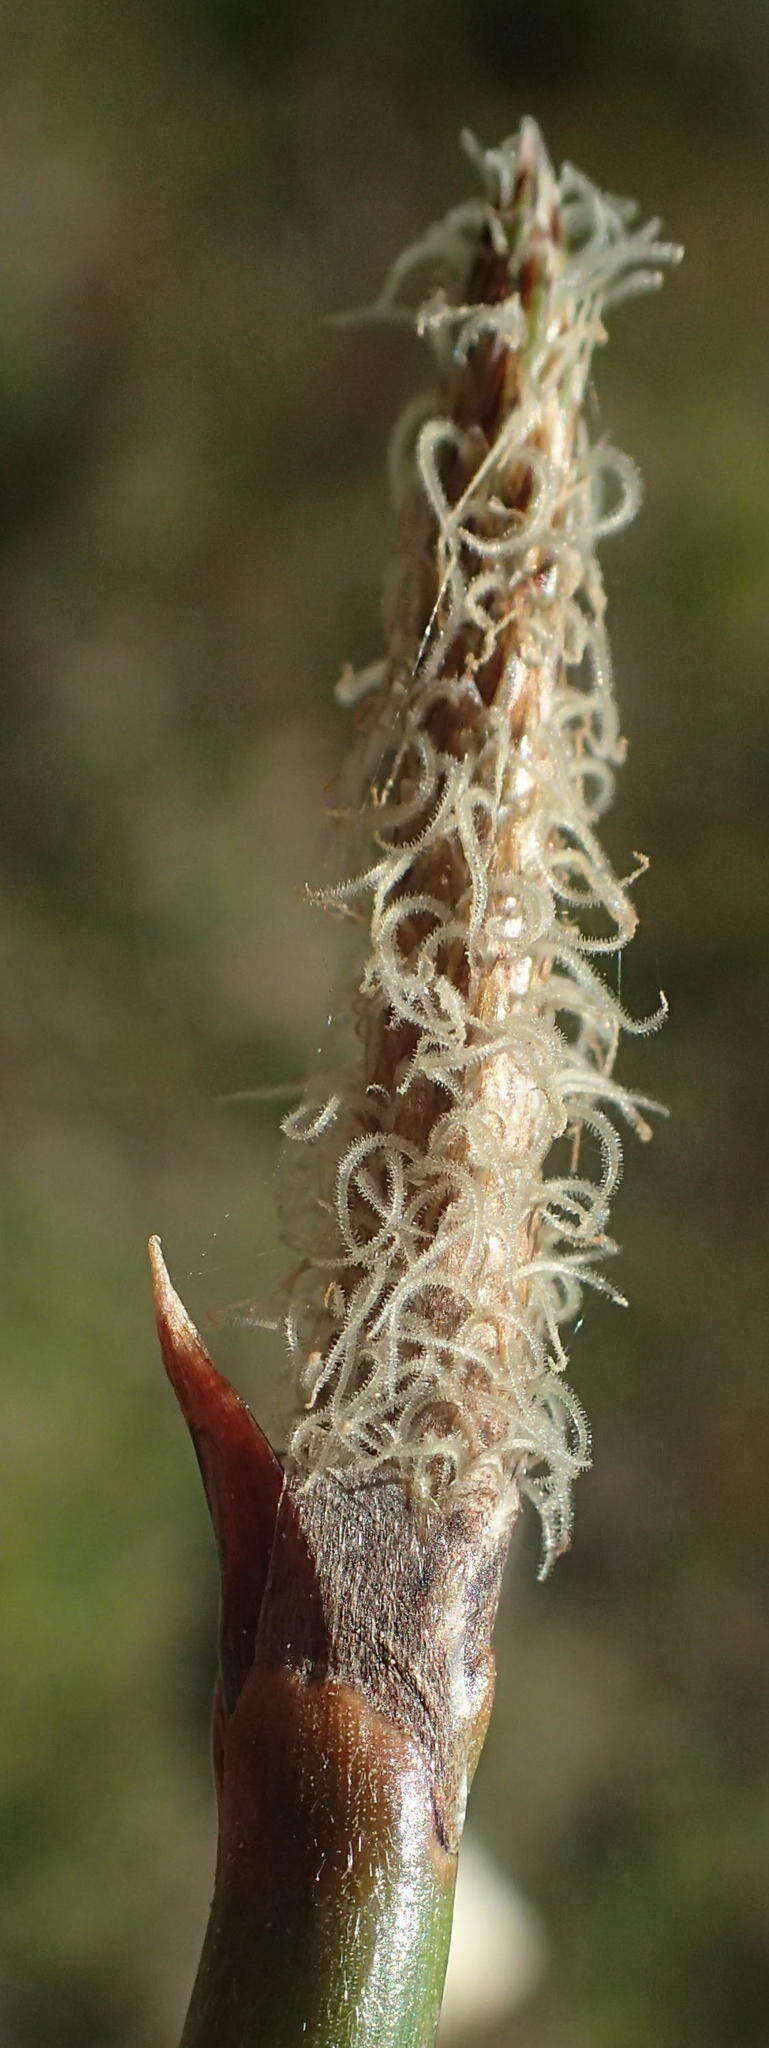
194	526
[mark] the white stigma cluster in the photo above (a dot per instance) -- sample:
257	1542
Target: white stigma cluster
458	1163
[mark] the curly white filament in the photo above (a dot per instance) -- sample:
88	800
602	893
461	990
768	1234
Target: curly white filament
445	1237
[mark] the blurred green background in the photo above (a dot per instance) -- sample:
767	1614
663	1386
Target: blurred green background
194	528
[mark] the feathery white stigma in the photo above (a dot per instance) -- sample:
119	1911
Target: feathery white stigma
457	1159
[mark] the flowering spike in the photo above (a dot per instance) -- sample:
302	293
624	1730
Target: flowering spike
461	1136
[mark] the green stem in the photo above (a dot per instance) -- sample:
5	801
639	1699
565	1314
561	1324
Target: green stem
332	1910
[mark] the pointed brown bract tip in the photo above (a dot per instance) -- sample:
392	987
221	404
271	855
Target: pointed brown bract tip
162	1290
203	1395
241	1475
175	1329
